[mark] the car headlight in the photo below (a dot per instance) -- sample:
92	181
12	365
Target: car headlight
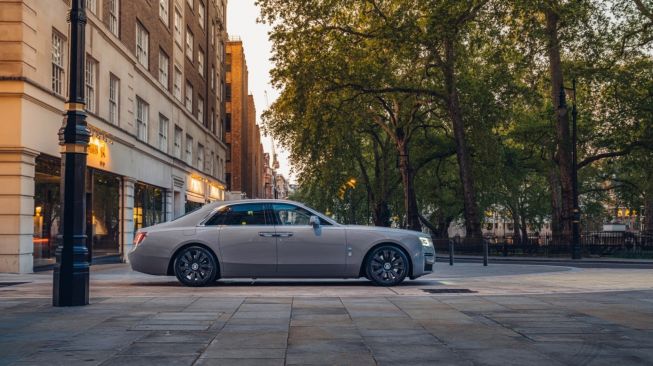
426	242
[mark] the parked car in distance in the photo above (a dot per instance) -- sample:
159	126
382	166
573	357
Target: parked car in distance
277	239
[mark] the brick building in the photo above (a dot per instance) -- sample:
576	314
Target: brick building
245	170
154	88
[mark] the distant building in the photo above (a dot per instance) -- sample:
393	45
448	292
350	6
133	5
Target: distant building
245	170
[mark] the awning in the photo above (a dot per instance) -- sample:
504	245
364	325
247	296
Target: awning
195	198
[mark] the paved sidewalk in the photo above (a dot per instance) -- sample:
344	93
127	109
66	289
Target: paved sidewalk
593	321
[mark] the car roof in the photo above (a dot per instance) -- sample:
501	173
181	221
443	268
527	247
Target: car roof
194	217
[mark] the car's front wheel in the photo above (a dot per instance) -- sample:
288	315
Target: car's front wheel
195	266
387	266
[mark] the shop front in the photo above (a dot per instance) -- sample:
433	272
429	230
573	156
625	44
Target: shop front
103	192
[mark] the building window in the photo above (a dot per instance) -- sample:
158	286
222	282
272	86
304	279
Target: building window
113	17
211	163
227	123
200	110
200	62
177	142
212	126
189	44
142	117
227	94
189	150
163	133
178	35
142	45
114	99
200	157
212	77
164	6
201	12
189	97
164	65
177	84
91	5
212	33
91	80
58	47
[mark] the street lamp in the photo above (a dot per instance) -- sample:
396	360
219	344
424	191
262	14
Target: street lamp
71	271
575	219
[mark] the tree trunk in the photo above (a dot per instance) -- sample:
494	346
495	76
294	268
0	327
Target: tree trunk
563	157
524	230
381	214
407	178
516	230
472	220
556	212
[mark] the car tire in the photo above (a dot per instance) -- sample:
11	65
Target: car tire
195	266
387	266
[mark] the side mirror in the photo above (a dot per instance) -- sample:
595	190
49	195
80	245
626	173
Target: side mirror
315	221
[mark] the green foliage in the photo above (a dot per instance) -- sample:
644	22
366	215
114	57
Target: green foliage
361	79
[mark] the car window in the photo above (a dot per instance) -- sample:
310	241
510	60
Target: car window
286	214
245	214
217	217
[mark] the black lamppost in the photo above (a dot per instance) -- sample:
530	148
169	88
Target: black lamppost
71	271
575	219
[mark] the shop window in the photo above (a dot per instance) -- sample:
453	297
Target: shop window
149	206
105	214
46	209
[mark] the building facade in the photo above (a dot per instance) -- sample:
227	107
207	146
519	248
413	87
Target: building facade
154	89
245	170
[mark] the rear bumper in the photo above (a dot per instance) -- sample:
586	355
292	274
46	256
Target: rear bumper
144	262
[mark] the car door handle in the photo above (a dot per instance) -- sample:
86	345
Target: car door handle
267	235
284	235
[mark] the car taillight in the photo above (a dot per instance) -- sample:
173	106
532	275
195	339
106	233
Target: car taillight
139	238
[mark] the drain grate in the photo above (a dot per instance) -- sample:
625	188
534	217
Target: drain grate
7	284
448	291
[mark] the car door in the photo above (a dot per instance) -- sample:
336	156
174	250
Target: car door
304	250
248	247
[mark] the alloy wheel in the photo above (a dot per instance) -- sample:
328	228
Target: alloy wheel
195	266
387	266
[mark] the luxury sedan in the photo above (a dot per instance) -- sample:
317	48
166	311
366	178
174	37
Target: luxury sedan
275	238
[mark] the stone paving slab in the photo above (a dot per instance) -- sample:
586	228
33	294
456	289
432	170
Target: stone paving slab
594	321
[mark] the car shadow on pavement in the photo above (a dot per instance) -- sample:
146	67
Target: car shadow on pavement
289	283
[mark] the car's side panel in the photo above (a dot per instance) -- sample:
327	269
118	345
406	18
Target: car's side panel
248	251
305	251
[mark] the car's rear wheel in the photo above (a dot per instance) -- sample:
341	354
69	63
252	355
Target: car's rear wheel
387	266
195	266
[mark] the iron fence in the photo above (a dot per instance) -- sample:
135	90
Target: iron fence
593	244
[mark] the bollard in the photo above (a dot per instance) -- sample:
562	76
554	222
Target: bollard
485	252
450	252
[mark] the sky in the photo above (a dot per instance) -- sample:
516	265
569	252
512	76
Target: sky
241	21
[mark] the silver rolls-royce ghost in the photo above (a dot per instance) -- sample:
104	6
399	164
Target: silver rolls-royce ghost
275	238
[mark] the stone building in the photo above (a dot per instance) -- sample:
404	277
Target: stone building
154	87
245	170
